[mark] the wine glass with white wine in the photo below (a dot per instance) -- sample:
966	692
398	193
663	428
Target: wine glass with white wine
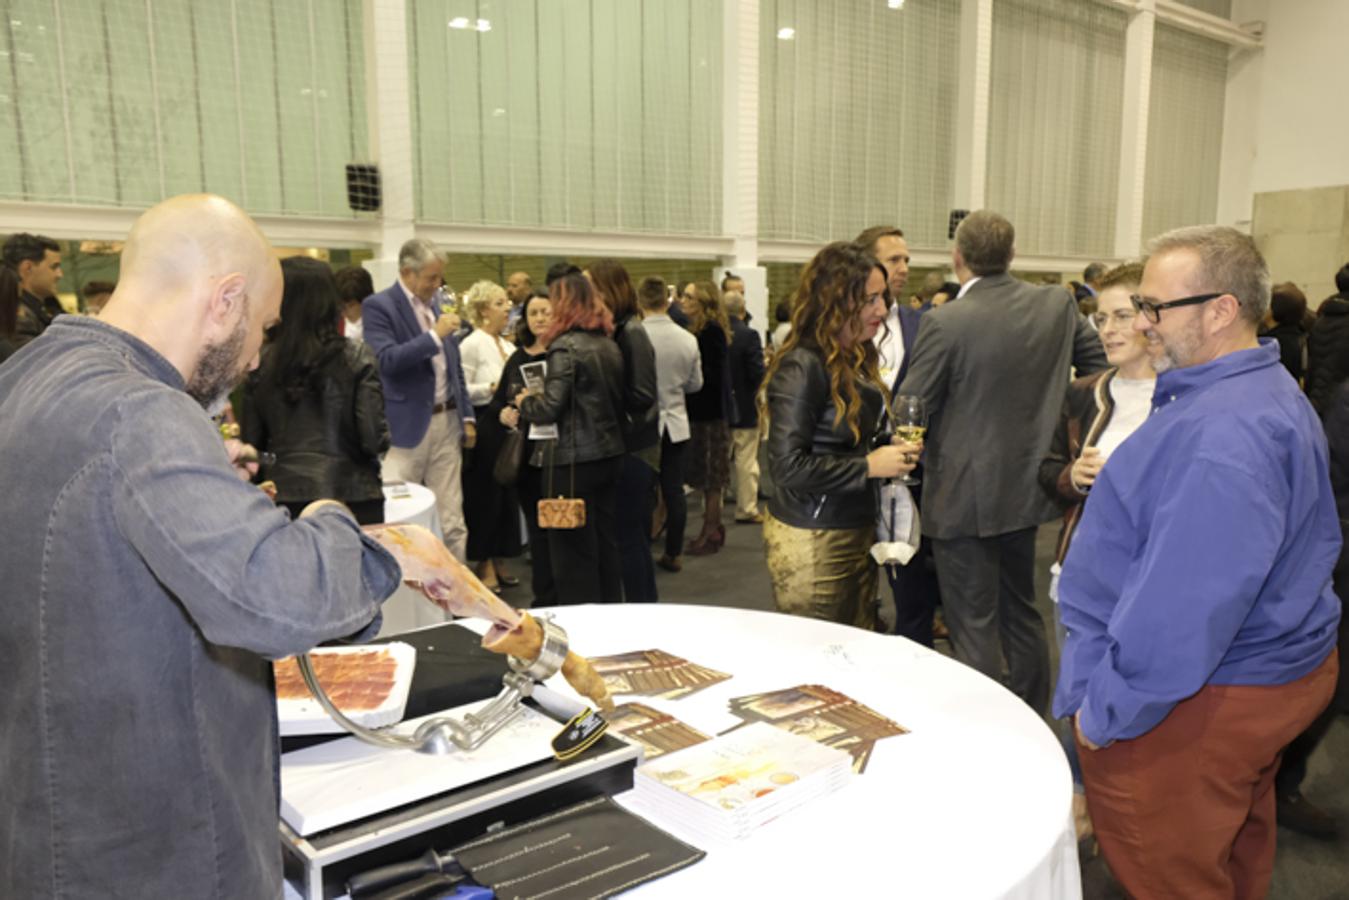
910	415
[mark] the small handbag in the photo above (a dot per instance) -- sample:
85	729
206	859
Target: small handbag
564	512
506	469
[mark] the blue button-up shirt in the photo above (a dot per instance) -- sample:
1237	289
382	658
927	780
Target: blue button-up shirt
144	587
1205	550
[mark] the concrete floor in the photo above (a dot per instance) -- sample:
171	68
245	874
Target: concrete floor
1305	869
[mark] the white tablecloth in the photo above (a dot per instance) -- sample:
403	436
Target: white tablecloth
407	609
974	803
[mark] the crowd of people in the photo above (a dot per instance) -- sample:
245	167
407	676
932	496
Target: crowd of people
1194	585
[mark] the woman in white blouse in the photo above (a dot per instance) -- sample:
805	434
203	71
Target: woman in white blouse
1100	411
489	508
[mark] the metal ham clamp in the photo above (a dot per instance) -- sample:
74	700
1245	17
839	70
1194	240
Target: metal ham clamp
536	649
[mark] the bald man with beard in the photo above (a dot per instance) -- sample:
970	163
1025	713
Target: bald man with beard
148	585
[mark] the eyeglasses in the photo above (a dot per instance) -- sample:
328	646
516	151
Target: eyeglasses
1122	318
1153	311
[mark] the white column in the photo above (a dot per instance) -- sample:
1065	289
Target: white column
388	111
740	153
975	59
1133	154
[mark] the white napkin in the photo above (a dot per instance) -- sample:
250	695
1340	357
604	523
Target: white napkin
898	530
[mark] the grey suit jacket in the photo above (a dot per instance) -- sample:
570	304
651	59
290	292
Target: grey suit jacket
993	368
679	371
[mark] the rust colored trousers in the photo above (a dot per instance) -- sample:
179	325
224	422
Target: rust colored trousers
1187	810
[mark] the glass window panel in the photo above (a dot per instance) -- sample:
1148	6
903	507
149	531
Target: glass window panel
1185	130
262	102
1055	111
586	114
857	118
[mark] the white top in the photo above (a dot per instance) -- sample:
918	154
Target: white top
780	334
354	331
483	358
1133	401
679	371
1011	799
965	288
889	343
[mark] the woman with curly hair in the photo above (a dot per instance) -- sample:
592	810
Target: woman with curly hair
825	405
709	452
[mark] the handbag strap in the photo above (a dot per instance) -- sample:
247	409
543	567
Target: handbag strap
573	426
552	445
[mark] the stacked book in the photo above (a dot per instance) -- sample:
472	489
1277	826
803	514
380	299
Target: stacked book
729	786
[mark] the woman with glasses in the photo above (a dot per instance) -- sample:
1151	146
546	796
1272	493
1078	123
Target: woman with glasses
1099	412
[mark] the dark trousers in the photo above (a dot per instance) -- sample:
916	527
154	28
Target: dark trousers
1293	769
541	584
585	560
988	594
672	489
634	522
916	595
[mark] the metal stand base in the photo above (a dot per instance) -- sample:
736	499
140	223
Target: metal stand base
441	735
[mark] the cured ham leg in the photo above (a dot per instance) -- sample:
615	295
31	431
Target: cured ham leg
430	568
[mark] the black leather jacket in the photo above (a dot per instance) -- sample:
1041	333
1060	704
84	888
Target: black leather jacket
328	444
819	471
583	395
642	426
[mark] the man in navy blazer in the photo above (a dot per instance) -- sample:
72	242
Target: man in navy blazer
425	399
914	585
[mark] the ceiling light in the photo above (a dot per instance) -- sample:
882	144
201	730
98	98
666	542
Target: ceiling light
484	25
786	34
460	22
895	4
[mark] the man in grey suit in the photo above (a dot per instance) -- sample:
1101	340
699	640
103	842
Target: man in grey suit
992	368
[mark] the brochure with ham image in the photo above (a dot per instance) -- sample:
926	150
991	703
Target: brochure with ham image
657	733
821	714
654	673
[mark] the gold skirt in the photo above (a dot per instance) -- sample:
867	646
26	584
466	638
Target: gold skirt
822	573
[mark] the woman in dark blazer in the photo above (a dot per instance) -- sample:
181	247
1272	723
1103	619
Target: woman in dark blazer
315	402
583	396
529	332
641	430
709	453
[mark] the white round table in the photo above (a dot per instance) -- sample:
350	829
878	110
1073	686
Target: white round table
407	609
975	802
413	504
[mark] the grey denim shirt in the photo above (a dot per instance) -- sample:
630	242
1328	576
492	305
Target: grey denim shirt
143	589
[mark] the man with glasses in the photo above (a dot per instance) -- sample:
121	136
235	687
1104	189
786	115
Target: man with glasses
1197	592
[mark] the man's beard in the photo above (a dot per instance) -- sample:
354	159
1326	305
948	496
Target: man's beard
219	370
1177	353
